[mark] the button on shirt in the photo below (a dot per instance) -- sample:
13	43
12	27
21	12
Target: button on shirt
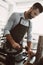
14	20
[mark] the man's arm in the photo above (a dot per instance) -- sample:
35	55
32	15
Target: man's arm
7	31
29	43
29	37
12	42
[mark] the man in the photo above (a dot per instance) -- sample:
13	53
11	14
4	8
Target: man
14	20
18	24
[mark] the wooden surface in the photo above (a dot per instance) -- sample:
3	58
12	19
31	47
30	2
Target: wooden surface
39	49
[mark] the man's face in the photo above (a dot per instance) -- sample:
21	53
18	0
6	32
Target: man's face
33	12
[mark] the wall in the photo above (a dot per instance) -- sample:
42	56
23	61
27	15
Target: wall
3	15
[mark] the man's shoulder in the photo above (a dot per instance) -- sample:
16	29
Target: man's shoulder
17	14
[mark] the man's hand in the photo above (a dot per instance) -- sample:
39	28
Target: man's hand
31	54
12	42
16	46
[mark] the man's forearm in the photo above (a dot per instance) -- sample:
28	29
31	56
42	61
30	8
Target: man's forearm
29	45
12	42
10	39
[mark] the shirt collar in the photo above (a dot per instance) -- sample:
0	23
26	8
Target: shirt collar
22	15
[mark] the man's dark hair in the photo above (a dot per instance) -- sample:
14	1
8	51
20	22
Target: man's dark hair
39	6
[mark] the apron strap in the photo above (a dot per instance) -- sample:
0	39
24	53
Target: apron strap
23	18
20	19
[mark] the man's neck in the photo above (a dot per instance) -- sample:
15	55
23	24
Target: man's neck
25	15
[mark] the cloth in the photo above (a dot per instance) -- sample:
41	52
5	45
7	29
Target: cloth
19	30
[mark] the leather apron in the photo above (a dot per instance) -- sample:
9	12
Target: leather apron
18	33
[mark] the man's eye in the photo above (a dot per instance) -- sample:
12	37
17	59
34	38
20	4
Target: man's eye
35	14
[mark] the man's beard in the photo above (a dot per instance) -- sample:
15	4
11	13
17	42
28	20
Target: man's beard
29	15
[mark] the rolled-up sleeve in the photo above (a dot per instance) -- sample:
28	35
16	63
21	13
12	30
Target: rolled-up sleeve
9	25
29	34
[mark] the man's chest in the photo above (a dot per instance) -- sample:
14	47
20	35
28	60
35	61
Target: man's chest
25	22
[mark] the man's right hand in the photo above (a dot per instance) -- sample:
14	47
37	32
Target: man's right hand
16	46
13	43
